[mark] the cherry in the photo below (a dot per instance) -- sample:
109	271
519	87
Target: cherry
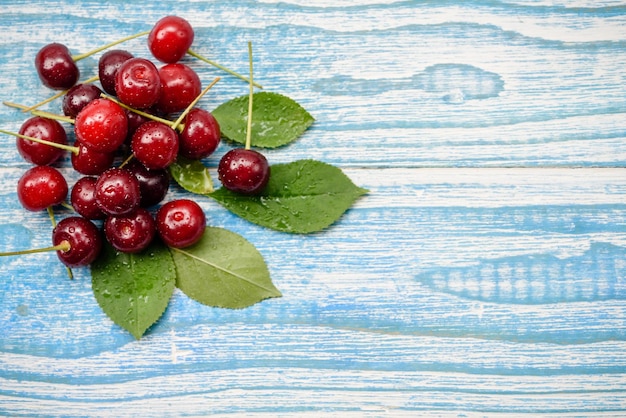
42	128
130	233
40	187
83	237
56	67
244	171
180	223
170	38
83	198
180	85
135	120
155	145
102	125
137	83
78	97
89	162
200	135
117	192
108	65
153	184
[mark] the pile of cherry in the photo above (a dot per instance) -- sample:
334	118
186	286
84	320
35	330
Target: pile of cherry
126	117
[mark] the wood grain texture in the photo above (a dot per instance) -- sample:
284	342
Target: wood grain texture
483	275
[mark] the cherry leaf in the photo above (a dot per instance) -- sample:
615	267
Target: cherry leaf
134	289
223	270
191	175
301	197
278	120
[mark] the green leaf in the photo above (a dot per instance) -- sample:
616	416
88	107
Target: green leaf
223	270
191	175
134	289
301	197
276	119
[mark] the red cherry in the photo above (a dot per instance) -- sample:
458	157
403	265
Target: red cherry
170	38
180	85
41	128
78	97
244	171
83	237
56	67
41	187
101	125
137	83
180	223
155	145
130	233
90	162
200	136
117	192
83	198
108	65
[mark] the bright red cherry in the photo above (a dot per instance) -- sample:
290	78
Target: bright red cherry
41	187
41	128
180	223
180	85
90	162
83	237
137	83
155	145
244	171
56	67
102	125
108	65
117	192
200	135
130	233
78	97
170	38
83	198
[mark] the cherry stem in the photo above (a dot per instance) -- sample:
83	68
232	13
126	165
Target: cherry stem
193	103
51	215
42	113
56	96
127	160
221	67
139	112
102	48
249	125
62	246
42	141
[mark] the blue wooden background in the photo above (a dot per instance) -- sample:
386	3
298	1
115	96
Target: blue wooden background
484	273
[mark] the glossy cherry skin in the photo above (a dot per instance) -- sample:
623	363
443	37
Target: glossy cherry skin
155	145
40	187
78	97
137	83
130	233
41	128
83	198
117	192
56	67
108	65
200	135
170	39
180	85
84	238
90	162
244	171
180	223
102	125
153	184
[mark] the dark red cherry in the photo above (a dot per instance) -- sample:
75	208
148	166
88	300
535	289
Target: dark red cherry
153	184
83	198
108	65
56	67
130	233
102	125
41	128
117	192
155	145
137	83
135	120
78	97
90	162
200	135
41	187
84	238
244	171
180	85
170	38
180	223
